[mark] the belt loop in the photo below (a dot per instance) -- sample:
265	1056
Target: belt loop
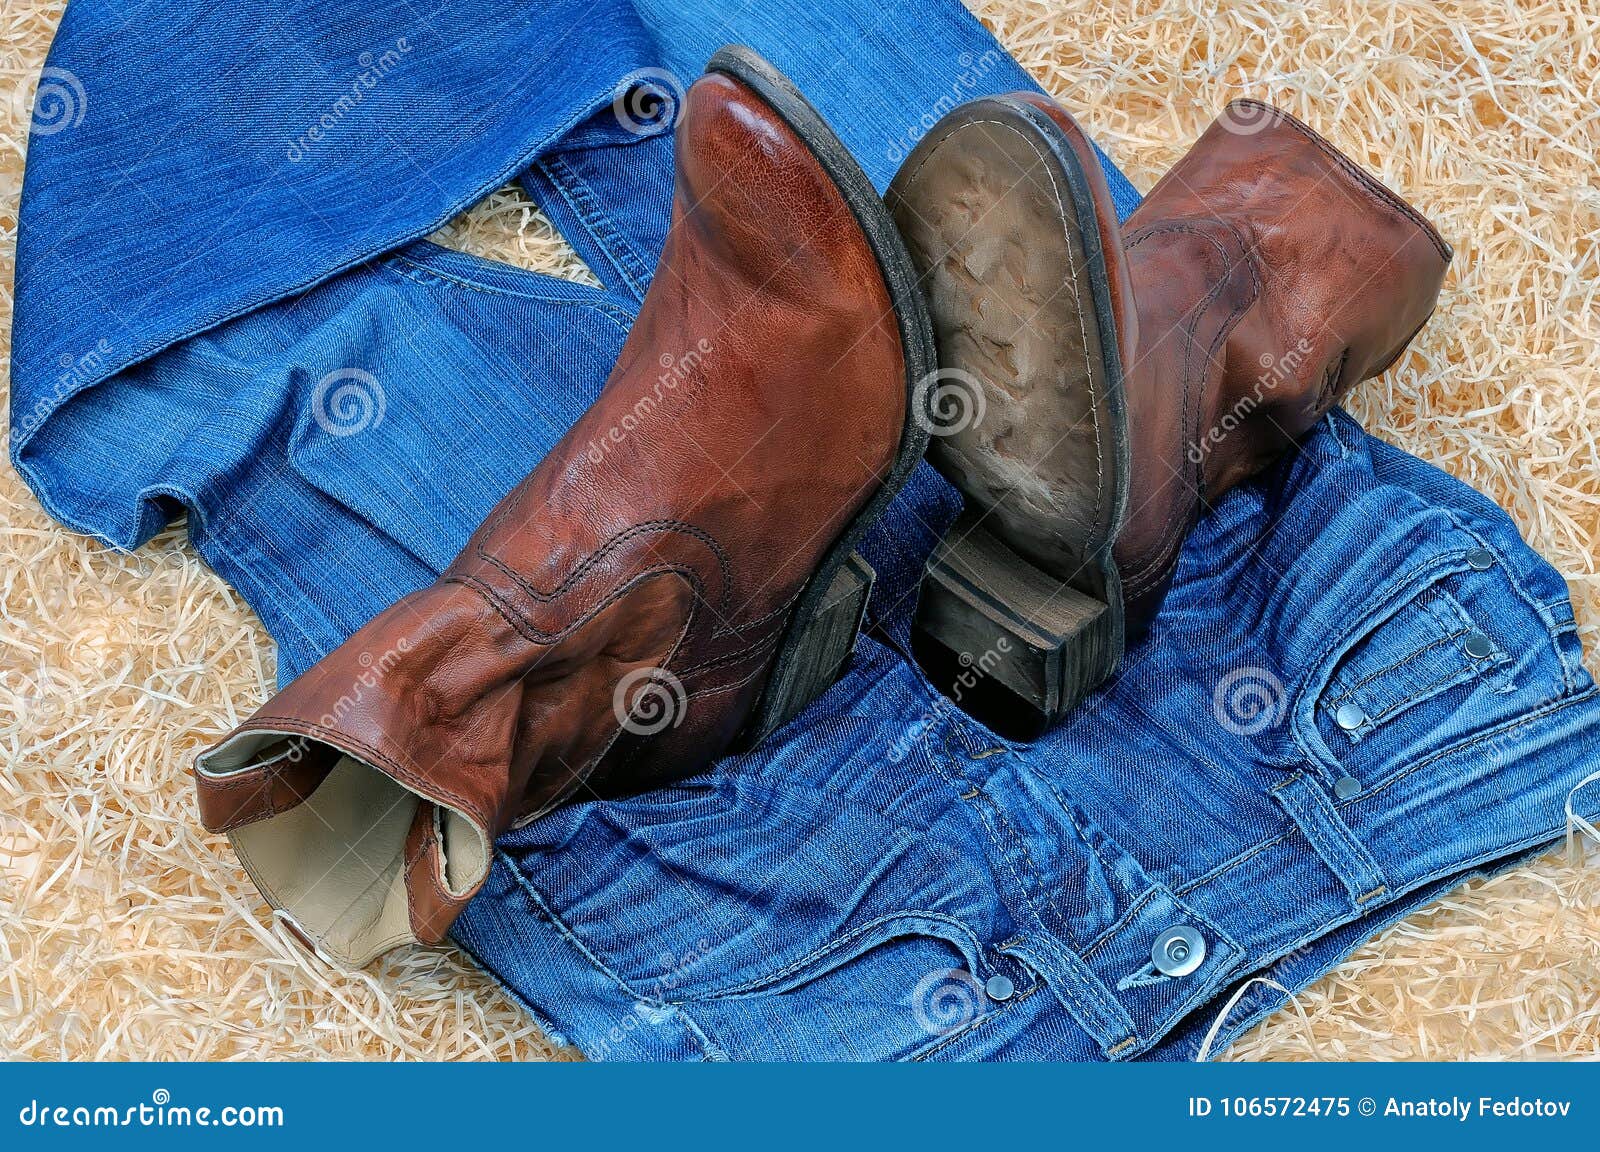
1080	991
1306	801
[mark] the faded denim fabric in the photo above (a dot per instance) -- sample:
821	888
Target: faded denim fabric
240	311
886	879
226	308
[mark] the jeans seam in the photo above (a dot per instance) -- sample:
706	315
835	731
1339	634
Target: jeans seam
595	220
1326	659
1514	580
252	577
708	1046
1474	671
973	797
1107	1008
1334	701
1002	859
978	1022
1068	812
261	300
1463	869
416	272
1325	840
1120	923
838	943
1489	734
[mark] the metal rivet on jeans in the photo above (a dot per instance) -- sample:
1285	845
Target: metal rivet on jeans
999	988
1480	559
1345	787
1349	717
1178	951
1478	646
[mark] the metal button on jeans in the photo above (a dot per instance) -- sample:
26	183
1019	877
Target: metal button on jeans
1345	787
999	988
1480	559
1178	951
1478	646
1349	717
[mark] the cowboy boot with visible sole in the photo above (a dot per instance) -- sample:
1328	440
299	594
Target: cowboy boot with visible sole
1152	367
662	587
1011	226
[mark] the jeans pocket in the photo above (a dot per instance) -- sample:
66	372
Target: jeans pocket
421	436
731	885
1423	649
885	943
608	188
1451	651
886	990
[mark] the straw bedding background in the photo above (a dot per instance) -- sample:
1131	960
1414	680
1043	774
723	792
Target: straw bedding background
126	931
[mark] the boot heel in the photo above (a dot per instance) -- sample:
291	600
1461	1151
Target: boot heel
822	644
1013	646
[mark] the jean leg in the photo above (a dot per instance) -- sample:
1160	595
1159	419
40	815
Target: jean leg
880	76
608	191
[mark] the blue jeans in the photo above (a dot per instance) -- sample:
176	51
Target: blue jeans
223	286
887	879
246	325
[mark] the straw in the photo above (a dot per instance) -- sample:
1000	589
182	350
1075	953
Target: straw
127	931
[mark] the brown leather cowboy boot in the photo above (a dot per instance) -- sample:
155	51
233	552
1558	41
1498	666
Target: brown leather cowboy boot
1011	226
657	590
1151	367
1272	275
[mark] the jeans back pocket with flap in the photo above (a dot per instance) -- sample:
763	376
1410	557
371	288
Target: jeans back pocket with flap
1449	654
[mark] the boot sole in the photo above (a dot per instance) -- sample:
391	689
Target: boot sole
1000	216
817	640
